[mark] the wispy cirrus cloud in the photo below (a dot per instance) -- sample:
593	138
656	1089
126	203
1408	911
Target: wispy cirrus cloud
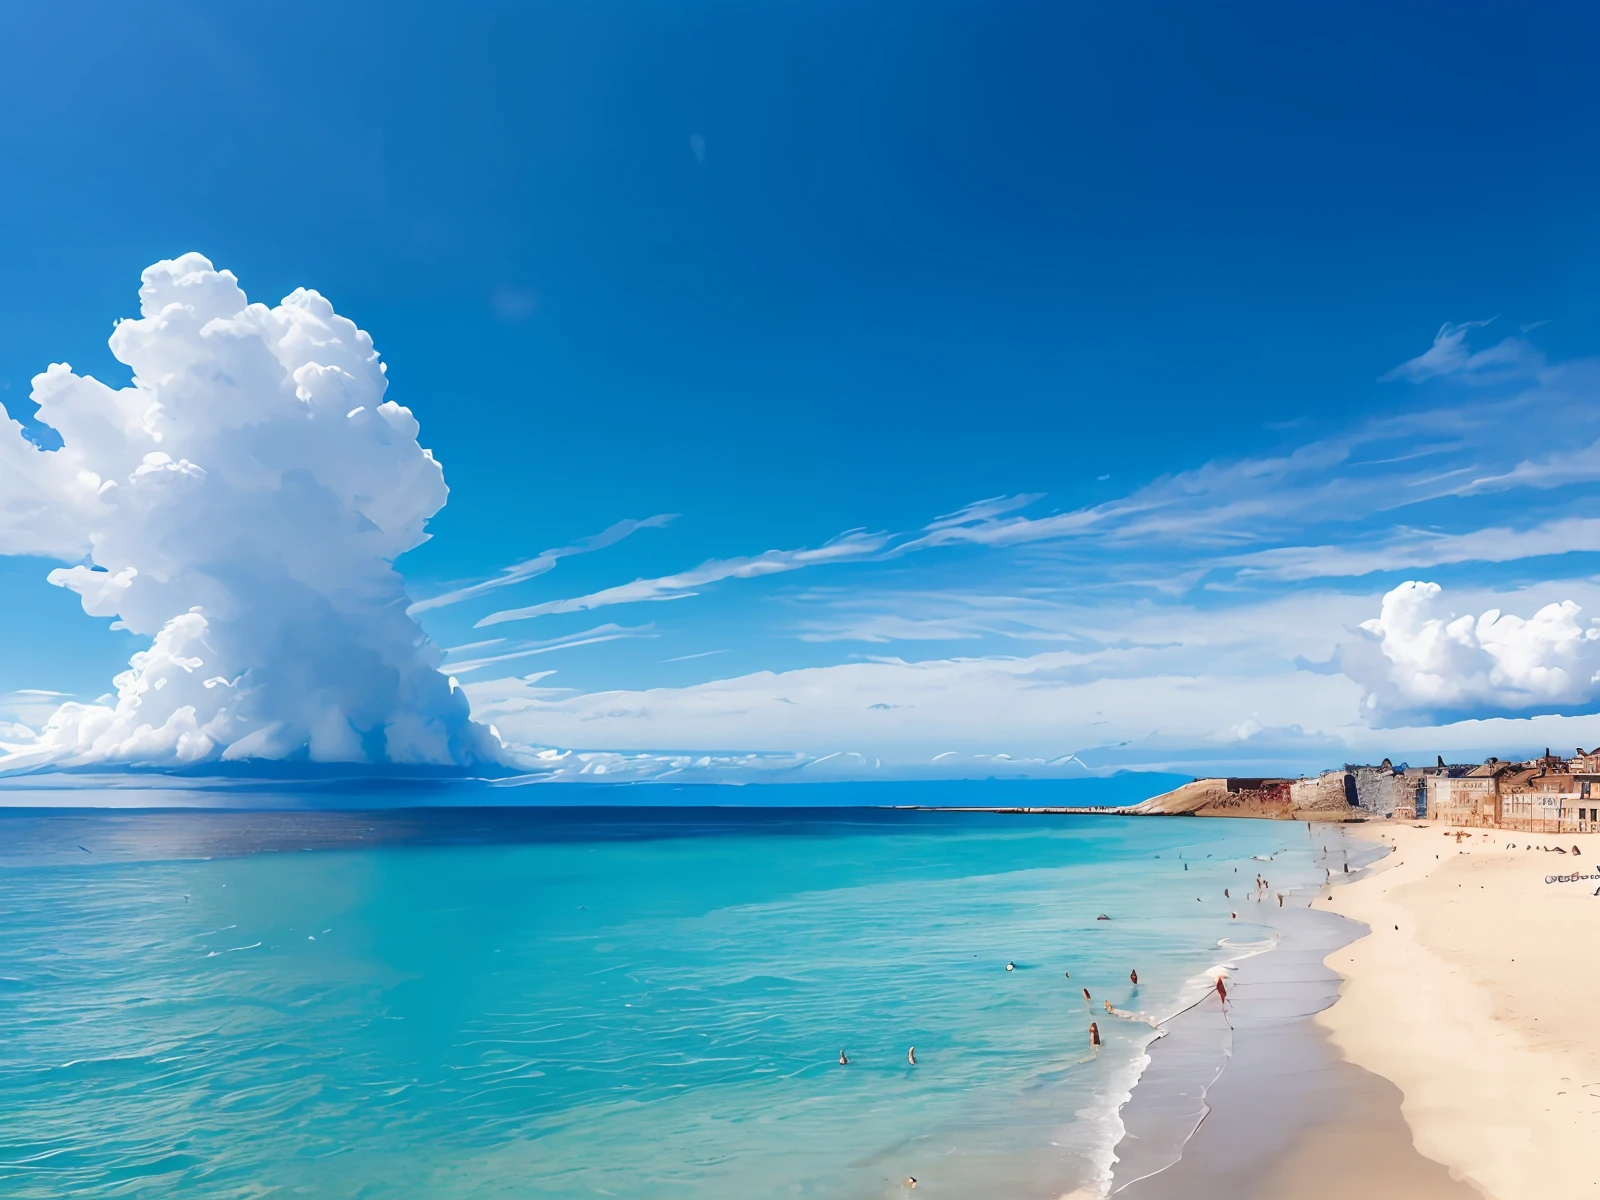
1450	354
1558	469
852	546
1243	520
546	560
508	651
1407	549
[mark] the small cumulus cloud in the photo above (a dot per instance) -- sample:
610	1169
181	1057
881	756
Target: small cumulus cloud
1423	661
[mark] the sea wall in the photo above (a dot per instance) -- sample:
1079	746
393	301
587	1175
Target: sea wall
1321	793
1320	799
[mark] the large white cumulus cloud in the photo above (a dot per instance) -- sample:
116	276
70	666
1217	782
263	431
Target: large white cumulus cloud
241	504
1431	663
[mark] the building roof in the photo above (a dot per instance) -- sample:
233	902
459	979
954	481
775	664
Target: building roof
1521	778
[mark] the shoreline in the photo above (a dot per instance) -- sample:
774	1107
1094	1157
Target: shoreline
1474	994
1450	1054
1277	1112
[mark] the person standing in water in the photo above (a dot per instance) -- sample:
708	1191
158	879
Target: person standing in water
844	1060
911	1056
1094	1036
1086	999
1133	976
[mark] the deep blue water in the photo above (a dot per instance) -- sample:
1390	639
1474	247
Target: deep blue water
587	1002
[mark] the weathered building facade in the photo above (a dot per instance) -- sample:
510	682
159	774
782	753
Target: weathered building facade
1552	802
1543	796
1387	790
1471	798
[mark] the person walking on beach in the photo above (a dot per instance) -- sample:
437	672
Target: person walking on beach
1280	899
1222	990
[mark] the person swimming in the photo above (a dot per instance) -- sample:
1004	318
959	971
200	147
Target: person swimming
844	1059
1011	966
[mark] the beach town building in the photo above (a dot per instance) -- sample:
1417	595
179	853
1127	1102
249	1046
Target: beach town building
1471	797
1548	794
1544	795
1553	802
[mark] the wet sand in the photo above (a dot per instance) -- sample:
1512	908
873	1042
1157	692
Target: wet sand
1287	1118
1476	994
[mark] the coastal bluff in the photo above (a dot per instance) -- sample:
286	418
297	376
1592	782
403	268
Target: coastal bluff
1317	799
1321	798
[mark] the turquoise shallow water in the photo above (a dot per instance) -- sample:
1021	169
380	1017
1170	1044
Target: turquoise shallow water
591	1003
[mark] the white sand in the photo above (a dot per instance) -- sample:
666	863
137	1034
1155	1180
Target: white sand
1484	1006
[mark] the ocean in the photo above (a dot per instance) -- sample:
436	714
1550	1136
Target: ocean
579	1002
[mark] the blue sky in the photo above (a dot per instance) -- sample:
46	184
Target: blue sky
809	279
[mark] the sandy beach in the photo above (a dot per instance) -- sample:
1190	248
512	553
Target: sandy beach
1287	1117
1474	995
1450	1052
